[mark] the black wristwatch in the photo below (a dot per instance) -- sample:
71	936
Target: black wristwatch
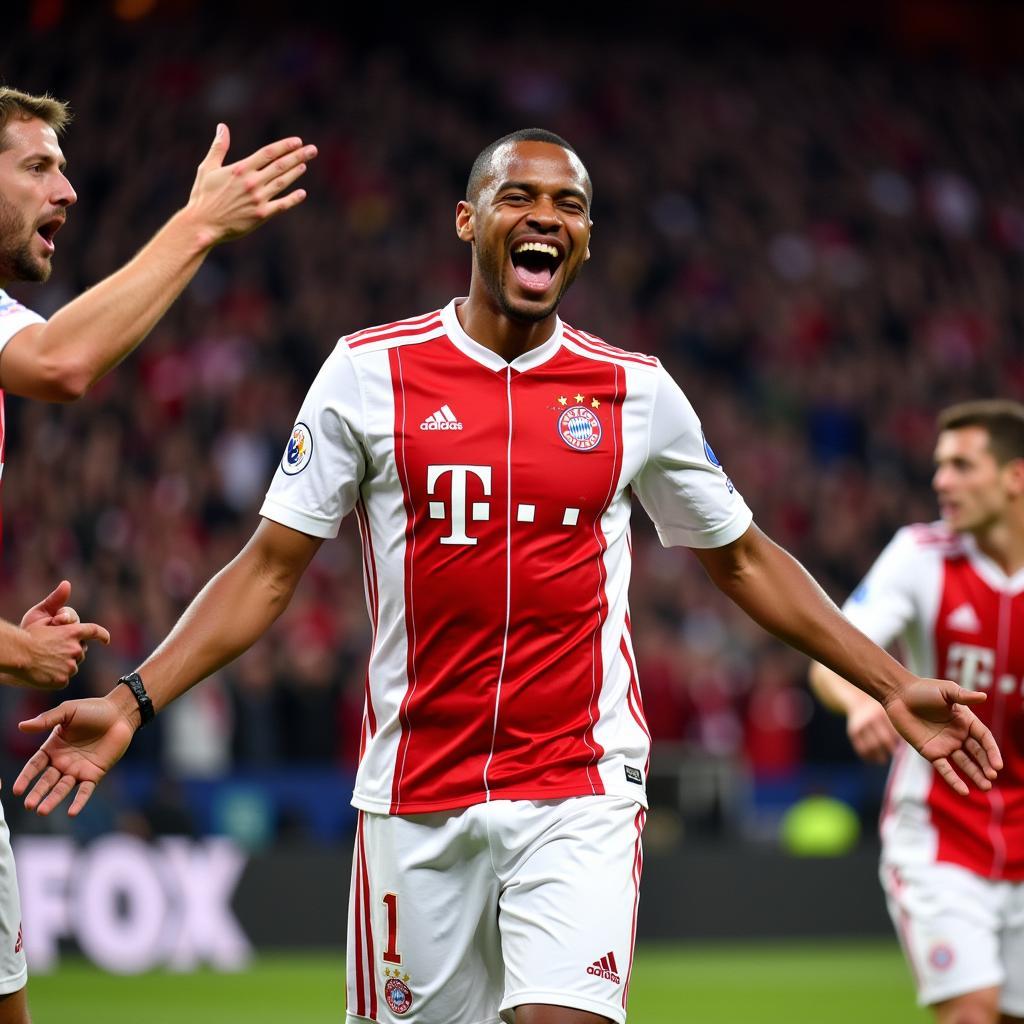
134	683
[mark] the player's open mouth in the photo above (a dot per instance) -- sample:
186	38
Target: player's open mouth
48	229
536	263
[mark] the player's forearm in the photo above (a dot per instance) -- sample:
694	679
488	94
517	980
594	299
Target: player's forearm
91	334
227	617
775	590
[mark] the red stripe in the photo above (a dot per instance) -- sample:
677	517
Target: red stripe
602	348
611	961
356	912
634	701
597	668
903	923
638	866
370	575
410	553
404	333
411	321
371	962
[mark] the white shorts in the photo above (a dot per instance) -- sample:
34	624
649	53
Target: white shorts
458	917
13	969
960	932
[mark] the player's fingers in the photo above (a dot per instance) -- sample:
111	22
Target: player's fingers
978	754
65	784
979	732
53	601
33	766
65	616
950	777
287	163
92	631
269	153
44	722
43	785
961	696
971	769
85	790
219	147
280	183
287	202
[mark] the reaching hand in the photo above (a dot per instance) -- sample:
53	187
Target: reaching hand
230	201
56	641
871	733
932	715
88	738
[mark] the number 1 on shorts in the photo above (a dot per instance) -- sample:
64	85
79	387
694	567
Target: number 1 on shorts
391	954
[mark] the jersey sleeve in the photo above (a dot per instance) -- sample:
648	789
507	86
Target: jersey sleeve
317	481
14	317
682	484
884	603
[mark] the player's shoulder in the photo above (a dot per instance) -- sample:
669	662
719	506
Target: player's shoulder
590	346
10	306
413	330
928	542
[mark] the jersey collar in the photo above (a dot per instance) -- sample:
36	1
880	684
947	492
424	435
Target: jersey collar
989	571
482	354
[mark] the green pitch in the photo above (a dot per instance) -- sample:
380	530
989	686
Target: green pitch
713	984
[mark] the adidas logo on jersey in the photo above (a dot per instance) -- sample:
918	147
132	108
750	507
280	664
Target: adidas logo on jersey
605	968
443	419
964	618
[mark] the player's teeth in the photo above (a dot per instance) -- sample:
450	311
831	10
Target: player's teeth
550	250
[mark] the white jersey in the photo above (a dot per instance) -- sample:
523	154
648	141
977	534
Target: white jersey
493	501
14	317
960	617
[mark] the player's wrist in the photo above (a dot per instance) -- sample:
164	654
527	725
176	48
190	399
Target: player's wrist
126	703
198	236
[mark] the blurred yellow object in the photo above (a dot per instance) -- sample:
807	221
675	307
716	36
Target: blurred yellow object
819	826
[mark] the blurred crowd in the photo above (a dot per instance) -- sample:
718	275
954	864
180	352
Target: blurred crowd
822	250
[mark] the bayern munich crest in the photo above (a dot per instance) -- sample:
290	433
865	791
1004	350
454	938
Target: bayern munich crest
398	995
941	956
298	451
580	428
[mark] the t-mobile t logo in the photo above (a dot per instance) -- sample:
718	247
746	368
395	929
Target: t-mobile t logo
481	510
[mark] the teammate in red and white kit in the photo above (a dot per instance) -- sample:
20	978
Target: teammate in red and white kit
60	359
953	592
489	452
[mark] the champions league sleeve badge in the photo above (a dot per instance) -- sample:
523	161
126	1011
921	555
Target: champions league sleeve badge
298	451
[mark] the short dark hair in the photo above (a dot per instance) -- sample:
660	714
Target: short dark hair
482	164
24	106
1001	418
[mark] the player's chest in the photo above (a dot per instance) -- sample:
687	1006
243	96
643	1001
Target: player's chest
979	636
474	444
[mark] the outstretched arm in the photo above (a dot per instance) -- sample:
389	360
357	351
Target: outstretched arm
871	733
60	360
932	715
229	614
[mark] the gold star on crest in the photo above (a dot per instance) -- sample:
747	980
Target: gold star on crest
595	404
579	398
562	400
405	977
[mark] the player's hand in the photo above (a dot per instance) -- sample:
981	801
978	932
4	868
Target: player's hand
871	733
52	609
230	200
55	641
88	738
933	716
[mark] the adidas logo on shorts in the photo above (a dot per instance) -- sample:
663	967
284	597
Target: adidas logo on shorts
605	968
443	419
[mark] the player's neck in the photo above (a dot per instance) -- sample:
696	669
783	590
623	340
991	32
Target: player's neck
485	322
1004	544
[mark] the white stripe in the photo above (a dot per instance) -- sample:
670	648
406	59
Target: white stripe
448	414
508	574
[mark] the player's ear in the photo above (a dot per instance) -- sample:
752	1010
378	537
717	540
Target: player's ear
464	215
1013	471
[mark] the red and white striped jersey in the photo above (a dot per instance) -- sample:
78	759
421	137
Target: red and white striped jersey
960	617
13	318
493	500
